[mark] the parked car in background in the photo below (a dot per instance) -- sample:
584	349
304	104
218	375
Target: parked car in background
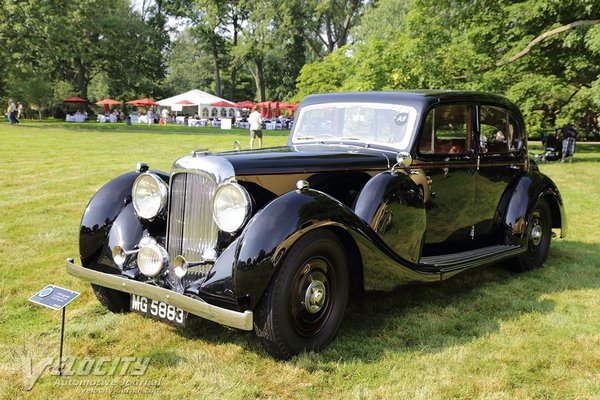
373	190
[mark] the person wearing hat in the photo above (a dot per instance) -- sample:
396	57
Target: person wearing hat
10	112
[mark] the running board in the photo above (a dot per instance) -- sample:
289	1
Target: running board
471	258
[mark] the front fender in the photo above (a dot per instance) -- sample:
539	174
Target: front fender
101	213
519	200
272	232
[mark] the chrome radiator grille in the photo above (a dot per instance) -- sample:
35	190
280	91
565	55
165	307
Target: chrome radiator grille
191	228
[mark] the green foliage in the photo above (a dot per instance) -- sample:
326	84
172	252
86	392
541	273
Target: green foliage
190	66
468	45
325	76
103	42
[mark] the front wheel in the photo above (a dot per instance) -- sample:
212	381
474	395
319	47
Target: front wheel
112	299
304	305
539	231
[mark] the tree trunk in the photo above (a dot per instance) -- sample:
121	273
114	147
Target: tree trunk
233	77
259	78
82	81
215	52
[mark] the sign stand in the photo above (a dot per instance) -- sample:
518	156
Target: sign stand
56	298
62	339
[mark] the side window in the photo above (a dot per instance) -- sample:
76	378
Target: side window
499	131
447	130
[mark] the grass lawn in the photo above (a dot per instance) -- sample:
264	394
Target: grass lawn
487	333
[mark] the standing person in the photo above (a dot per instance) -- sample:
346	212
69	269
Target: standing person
10	112
255	121
165	115
569	135
150	116
19	110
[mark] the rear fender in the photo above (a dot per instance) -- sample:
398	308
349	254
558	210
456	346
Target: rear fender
519	200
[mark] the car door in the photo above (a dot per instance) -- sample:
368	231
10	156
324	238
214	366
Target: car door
445	150
501	159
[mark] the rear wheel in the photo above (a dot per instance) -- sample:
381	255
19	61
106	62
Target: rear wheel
539	231
304	305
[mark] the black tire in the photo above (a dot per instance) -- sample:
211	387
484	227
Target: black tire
114	300
539	231
304	305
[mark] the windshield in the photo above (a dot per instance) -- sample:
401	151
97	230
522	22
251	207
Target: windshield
389	125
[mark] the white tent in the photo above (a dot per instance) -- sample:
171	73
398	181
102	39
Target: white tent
202	103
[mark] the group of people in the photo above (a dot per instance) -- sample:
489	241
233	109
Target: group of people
563	142
14	112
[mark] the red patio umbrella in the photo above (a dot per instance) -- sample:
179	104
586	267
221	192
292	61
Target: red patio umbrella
277	110
75	100
186	103
263	109
244	104
289	106
222	103
143	102
108	102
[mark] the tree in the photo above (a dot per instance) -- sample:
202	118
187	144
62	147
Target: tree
541	54
75	42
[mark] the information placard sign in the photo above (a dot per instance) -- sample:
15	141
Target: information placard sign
225	123
54	297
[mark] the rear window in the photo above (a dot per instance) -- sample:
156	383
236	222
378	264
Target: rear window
498	131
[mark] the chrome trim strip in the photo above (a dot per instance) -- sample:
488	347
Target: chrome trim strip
235	319
217	169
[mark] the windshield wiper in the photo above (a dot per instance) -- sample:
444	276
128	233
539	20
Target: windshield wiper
305	138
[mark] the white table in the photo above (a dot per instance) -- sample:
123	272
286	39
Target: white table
76	118
271	126
197	122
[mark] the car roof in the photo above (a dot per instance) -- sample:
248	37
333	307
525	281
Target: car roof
419	99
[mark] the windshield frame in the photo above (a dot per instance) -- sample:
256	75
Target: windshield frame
404	144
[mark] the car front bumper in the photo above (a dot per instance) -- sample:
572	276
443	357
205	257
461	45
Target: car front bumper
235	319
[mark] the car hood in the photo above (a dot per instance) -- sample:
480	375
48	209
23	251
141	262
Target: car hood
308	158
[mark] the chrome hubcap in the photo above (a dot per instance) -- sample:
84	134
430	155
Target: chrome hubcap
536	233
315	297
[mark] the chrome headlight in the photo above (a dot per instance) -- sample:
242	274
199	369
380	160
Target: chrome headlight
149	194
231	207
152	258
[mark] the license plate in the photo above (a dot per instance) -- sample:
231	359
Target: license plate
158	309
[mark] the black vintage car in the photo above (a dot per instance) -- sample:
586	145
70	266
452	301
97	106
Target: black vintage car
372	191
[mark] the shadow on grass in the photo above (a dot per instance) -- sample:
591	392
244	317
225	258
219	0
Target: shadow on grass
433	317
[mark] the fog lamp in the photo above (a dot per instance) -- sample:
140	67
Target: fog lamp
151	259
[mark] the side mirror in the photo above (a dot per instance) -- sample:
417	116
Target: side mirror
404	159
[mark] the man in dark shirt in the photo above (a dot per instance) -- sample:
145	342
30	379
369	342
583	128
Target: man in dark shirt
569	135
